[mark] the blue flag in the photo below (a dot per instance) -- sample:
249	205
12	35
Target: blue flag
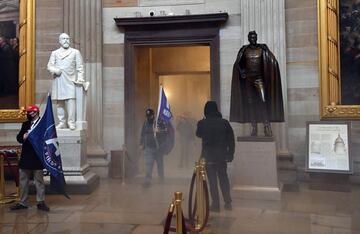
44	140
166	133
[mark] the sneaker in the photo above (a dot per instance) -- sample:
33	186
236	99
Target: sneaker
214	208
18	206
227	206
42	206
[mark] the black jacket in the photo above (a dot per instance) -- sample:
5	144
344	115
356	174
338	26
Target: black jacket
218	144
28	160
162	140
148	139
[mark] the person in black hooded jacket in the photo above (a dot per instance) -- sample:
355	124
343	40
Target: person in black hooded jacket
218	148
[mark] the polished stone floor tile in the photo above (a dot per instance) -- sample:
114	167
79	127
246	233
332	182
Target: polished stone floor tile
132	209
116	217
74	228
331	221
16	228
145	229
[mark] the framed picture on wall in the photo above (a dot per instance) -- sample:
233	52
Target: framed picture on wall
339	58
328	147
17	59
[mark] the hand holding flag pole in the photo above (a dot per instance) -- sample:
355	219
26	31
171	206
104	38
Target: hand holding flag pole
43	138
164	119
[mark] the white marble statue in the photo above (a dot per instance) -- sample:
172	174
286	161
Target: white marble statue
66	66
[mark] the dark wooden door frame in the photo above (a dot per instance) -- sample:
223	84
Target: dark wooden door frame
167	31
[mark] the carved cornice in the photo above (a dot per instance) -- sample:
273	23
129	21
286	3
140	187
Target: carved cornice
177	19
12	115
341	112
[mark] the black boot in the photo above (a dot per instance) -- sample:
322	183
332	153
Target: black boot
267	129
42	206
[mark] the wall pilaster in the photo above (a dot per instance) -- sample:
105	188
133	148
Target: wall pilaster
267	18
83	22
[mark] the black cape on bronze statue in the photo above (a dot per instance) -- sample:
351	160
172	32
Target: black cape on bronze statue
239	107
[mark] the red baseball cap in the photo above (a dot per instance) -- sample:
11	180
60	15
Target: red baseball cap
32	108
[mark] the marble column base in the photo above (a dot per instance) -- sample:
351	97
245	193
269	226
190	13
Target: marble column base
78	177
258	193
76	184
254	172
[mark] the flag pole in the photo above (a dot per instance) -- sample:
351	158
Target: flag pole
159	105
41	103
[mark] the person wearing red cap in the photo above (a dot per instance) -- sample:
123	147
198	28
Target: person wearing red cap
32	108
30	164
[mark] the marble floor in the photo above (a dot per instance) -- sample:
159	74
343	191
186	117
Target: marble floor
129	208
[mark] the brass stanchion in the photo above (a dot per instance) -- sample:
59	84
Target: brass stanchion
175	205
199	211
202	180
201	206
179	216
199	196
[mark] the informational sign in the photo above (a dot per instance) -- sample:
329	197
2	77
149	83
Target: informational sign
328	147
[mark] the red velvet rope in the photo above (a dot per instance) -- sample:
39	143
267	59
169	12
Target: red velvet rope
168	221
191	211
185	227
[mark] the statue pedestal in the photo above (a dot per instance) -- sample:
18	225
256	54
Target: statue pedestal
329	181
79	179
254	174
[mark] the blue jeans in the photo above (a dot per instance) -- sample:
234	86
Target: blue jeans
152	155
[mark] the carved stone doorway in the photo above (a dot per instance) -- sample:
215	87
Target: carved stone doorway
166	31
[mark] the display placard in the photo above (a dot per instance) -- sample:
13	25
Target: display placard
328	147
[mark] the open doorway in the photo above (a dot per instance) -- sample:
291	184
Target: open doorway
184	72
146	35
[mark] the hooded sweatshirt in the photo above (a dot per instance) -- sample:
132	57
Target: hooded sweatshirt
217	135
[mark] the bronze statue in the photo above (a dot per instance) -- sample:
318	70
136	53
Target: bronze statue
256	94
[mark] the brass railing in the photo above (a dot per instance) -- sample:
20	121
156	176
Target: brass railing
175	205
198	211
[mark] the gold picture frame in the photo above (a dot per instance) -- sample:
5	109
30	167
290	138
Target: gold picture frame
26	63
329	64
